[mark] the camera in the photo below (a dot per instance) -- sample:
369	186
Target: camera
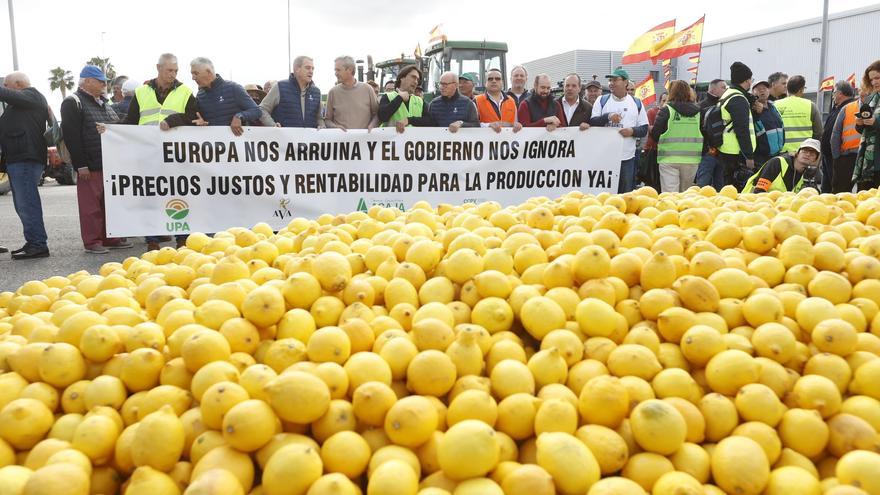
810	178
865	111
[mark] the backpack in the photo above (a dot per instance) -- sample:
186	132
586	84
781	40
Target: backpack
63	152
714	125
604	99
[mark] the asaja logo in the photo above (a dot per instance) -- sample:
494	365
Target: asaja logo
362	205
385	203
177	210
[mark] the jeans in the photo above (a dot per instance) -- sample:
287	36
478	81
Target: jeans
709	173
24	179
627	180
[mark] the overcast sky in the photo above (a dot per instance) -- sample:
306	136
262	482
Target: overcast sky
248	40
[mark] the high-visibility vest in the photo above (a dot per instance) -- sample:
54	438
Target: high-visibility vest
730	144
778	183
682	143
416	104
490	112
849	136
797	120
152	112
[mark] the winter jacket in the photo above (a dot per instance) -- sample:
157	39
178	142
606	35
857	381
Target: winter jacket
78	123
224	100
22	125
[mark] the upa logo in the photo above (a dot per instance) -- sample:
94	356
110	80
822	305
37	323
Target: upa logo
177	210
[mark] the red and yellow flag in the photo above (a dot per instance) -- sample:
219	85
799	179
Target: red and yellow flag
418	51
645	91
640	49
827	84
688	40
436	34
694	69
694	60
852	79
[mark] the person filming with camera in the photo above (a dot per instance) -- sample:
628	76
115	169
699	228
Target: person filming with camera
789	172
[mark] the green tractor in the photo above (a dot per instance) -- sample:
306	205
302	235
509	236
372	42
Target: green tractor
460	57
387	70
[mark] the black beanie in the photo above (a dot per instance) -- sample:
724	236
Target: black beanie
739	72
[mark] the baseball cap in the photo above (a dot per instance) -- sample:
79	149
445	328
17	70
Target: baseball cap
92	72
762	81
470	76
594	83
618	73
812	144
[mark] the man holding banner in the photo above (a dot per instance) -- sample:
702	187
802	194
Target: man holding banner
627	113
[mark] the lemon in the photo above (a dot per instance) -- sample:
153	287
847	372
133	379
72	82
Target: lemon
604	401
57	478
216	481
609	448
571	464
371	402
248	425
291	470
472	404
431	373
263	306
393	476
298	397
347	453
860	468
819	393
836	336
24	422
541	315
729	370
595	318
218	399
61	364
720	415
645	468
792	428
591	262
158	441
739	465
410	421
96	437
677	483
633	360
849	432
511	377
658	427
468	449
616	486
528	479
494	314
700	344
204	347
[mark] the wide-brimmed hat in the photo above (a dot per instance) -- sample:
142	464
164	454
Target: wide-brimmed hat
255	90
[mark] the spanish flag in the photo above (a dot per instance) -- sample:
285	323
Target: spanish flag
418	51
645	91
852	79
827	84
694	60
436	34
688	40
640	49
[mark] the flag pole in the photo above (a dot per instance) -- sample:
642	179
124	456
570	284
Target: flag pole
12	33
700	58
823	54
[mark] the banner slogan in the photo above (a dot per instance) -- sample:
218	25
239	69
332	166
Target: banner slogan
205	179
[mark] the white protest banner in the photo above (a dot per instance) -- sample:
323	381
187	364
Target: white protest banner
204	179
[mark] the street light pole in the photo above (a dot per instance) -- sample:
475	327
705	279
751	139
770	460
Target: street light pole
823	54
289	61
12	33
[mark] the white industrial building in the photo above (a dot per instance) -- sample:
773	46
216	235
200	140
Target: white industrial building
853	38
589	64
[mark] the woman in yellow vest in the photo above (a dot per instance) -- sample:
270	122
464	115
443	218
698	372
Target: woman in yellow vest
679	140
789	172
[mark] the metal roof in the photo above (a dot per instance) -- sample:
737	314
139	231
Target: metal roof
488	45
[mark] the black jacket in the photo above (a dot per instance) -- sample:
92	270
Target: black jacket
828	128
80	132
739	109
22	125
661	122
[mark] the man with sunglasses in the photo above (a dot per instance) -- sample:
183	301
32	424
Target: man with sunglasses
495	108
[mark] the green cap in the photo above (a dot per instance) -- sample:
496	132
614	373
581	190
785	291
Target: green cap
618	72
470	76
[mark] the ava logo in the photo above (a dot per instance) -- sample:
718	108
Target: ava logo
283	209
177	210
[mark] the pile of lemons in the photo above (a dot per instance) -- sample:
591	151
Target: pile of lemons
694	343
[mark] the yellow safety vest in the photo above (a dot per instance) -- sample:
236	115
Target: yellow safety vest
797	120
152	112
730	144
778	183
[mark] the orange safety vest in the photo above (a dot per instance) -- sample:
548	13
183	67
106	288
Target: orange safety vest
849	137
489	112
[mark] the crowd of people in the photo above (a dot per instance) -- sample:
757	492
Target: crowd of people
759	135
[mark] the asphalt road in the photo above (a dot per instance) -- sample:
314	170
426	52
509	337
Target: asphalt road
65	244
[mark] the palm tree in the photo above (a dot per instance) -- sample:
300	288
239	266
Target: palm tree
61	79
106	66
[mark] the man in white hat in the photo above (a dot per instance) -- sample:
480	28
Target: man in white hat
789	172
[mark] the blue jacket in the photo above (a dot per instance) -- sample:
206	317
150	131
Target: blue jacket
224	100
289	112
444	111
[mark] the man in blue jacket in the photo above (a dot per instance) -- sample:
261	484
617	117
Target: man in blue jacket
221	102
296	101
24	153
